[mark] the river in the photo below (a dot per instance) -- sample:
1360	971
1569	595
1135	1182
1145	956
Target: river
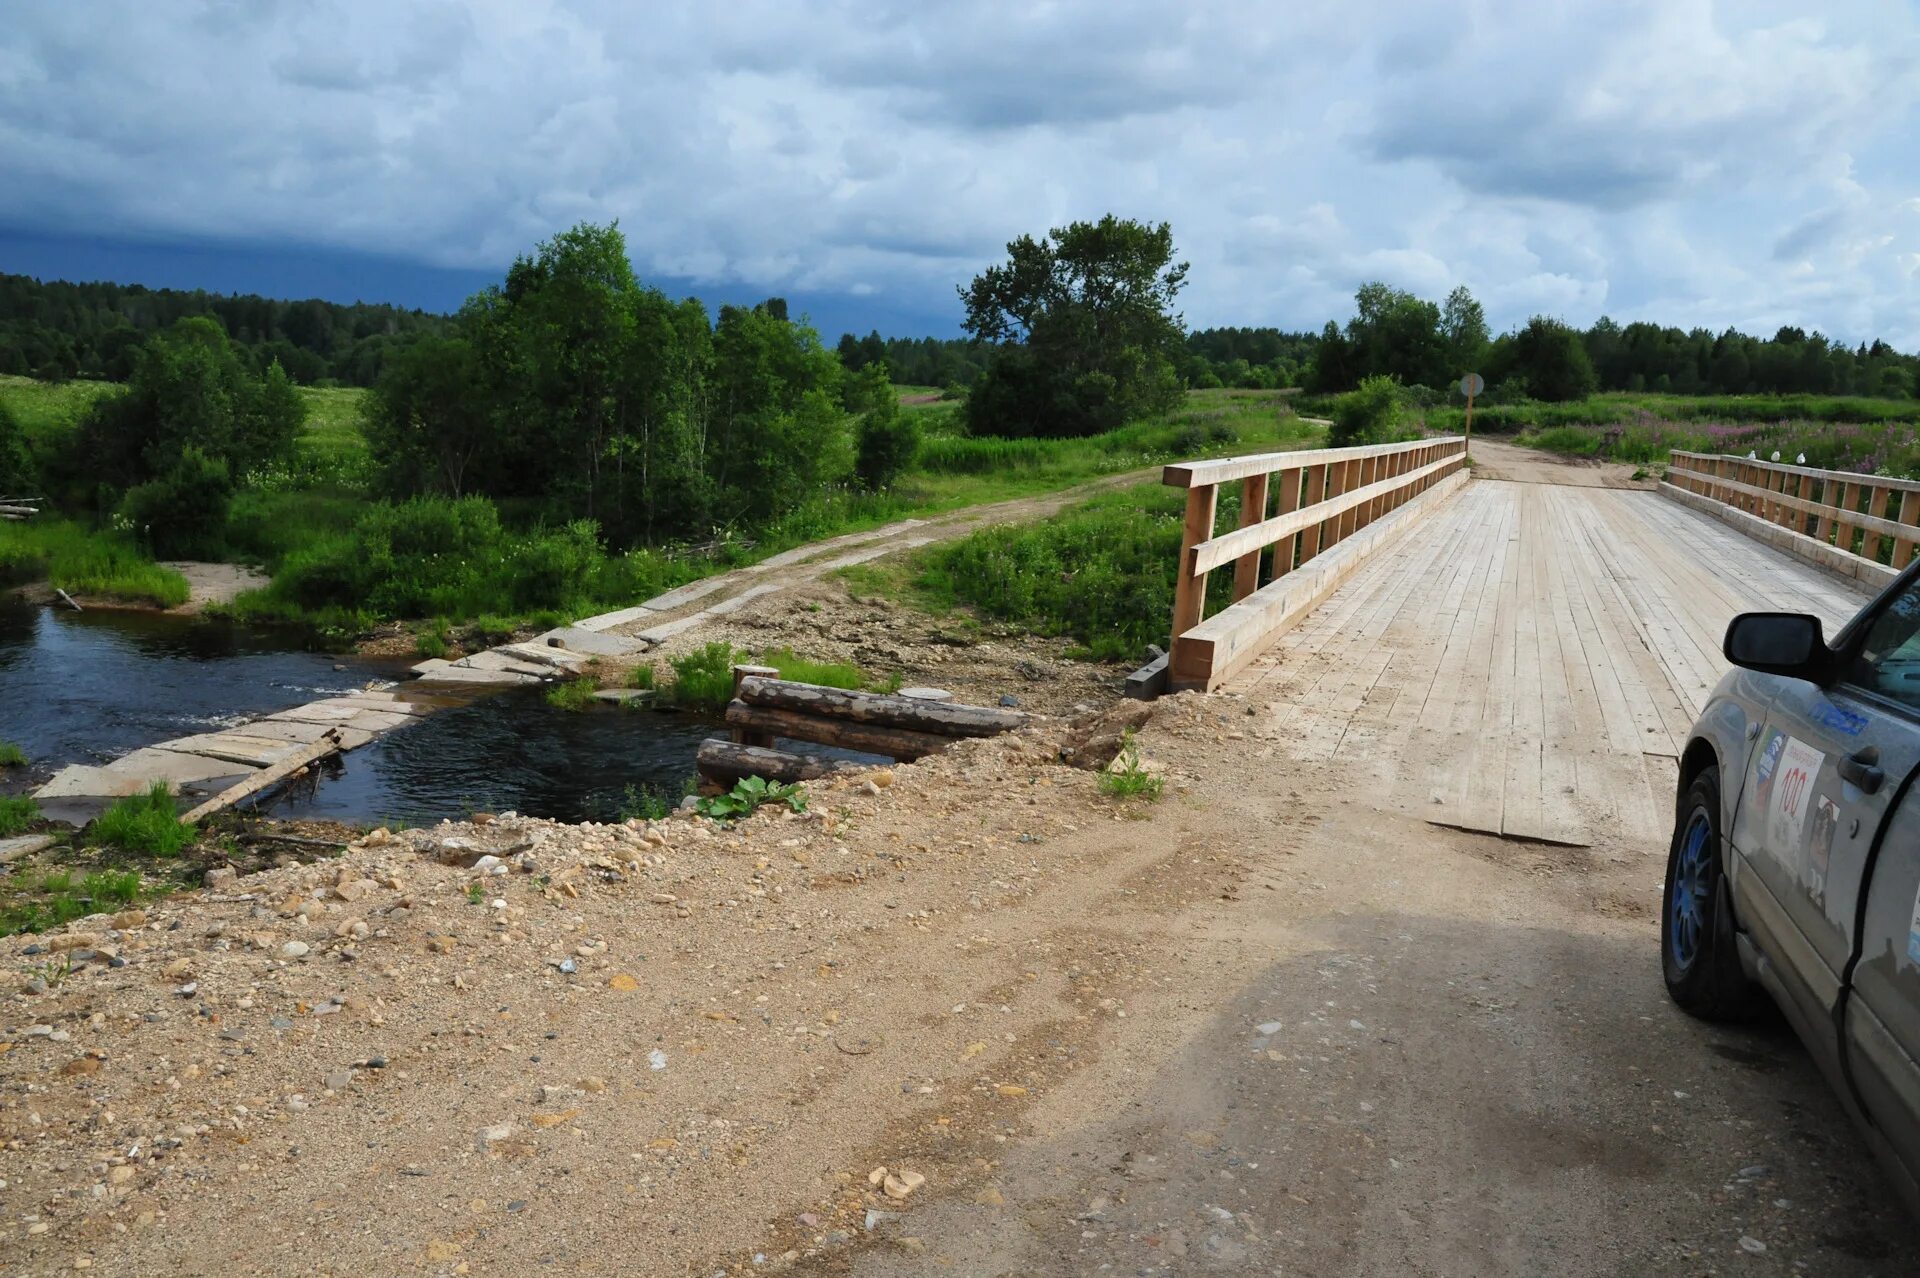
89	687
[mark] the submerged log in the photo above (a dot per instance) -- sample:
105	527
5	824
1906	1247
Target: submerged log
903	744
939	718
726	763
260	780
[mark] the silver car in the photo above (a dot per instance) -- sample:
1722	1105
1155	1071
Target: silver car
1795	865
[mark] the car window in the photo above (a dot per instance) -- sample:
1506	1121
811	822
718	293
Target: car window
1889	660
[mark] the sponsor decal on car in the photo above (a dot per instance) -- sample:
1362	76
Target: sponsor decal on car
1845	722
1791	796
1826	820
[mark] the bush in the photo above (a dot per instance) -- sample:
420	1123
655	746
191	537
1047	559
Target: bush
703	679
145	823
183	513
572	694
12	756
16	474
1369	415
886	443
17	813
100	565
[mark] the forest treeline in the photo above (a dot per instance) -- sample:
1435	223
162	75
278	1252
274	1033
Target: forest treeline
57	331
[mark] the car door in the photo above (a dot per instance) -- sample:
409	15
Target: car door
1828	766
1883	1006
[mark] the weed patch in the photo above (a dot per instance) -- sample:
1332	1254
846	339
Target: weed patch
17	814
12	756
1128	777
573	694
147	823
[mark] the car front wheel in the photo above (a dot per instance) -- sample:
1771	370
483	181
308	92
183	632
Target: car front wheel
1698	955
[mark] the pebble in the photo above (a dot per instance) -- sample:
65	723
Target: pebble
339	1080
902	1184
1270	1028
656	1059
1749	1243
294	950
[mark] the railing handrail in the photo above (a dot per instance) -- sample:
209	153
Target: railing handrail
1841	476
1220	470
1324	497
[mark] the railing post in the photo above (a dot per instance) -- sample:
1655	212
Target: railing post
1315	494
1190	588
1253	509
1849	500
1909	514
1286	504
1806	522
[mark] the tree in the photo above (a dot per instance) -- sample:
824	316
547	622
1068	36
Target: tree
1463	330
1550	358
16	473
1370	414
886	438
425	419
1084	328
1395	334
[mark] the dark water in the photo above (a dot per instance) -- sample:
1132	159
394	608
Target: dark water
510	750
88	687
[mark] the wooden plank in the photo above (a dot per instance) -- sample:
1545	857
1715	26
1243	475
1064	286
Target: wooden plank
264	778
1316	492
1190	584
1335	508
1902	485
1203	473
1286	503
937	718
1253	511
1909	515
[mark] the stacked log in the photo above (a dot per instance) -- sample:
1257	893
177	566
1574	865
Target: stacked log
766	707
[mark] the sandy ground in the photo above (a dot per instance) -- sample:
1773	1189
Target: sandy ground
214	583
1253	1028
1263	1026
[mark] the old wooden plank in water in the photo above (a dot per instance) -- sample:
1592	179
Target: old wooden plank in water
943	718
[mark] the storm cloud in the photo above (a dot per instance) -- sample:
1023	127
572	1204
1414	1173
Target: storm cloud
1674	160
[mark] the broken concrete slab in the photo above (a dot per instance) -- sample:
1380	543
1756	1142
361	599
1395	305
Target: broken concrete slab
608	620
580	641
78	781
495	660
307	733
681	596
233	747
741	600
152	764
668	629
438	671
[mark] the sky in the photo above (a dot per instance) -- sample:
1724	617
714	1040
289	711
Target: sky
1692	163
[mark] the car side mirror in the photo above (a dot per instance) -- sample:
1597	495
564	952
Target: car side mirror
1781	643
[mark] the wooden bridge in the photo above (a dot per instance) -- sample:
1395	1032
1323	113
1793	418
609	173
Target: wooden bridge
1521	652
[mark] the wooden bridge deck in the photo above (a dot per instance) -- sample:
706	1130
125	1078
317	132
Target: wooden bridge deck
1527	661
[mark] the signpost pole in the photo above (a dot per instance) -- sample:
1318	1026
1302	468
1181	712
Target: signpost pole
1469	425
1471	385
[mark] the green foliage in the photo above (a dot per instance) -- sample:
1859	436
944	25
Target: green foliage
97	565
1102	571
12	756
57	899
828	674
572	694
432	642
703	679
147	823
182	514
427	418
886	439
646	802
641	677
476	892
746	797
1549	358
1128	777
17	813
1086	334
16	468
1371	414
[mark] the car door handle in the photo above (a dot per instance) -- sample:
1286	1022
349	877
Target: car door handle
1862	768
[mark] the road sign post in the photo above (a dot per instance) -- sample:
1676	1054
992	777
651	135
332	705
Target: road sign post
1470	385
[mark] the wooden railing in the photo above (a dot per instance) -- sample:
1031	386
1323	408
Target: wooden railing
1873	519
1303	504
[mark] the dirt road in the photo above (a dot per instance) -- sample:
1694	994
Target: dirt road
1270	1024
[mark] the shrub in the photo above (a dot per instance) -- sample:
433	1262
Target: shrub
885	445
145	823
1370	414
703	679
573	694
746	797
641	676
17	812
182	514
12	756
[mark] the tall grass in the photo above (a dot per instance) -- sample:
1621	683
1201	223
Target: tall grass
17	812
100	565
58	898
146	823
1882	448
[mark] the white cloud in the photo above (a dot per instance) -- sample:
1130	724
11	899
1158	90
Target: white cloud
1664	159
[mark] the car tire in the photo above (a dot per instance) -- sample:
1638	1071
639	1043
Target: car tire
1698	955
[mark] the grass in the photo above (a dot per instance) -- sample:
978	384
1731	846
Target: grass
45	408
1622	408
1891	448
146	823
703	679
12	756
1101	572
1128	778
17	814
572	694
57	898
641	677
98	565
